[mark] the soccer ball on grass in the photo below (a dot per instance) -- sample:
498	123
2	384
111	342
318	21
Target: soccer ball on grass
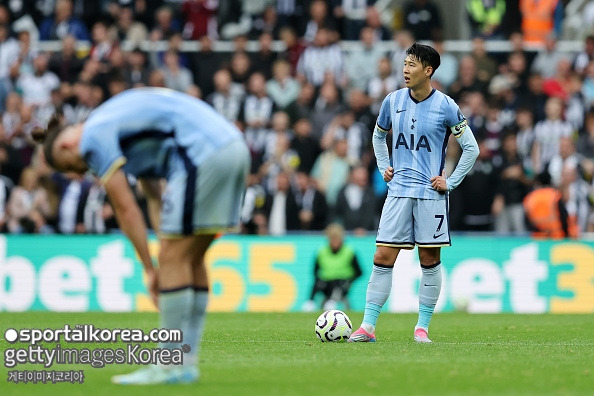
333	325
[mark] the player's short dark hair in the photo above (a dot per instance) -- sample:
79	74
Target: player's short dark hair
425	54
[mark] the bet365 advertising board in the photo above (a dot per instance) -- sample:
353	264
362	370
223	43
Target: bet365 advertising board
254	273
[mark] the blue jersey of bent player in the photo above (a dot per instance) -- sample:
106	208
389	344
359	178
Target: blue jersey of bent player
151	132
420	133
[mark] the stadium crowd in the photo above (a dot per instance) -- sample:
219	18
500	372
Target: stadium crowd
307	110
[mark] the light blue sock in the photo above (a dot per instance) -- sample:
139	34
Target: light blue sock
378	291
175	310
429	290
193	334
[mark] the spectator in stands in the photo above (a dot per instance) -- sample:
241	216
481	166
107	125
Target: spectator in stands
566	156
448	68
256	114
546	60
36	88
165	24
253	215
558	85
576	104
128	28
546	212
477	192
467	80
327	106
382	84
584	57
540	18
335	268
302	107
548	133
79	109
344	126
241	68
374	21
6	186
485	18
263	59
282	88
423	19
486	67
585	143
294	47
576	194
357	63
524	125
204	64
351	16
136	72
62	24
103	42
28	205
27	54
65	63
279	129
355	204
282	211
228	96
360	104
176	76
9	54
588	86
11	117
321	61
199	18
313	211
98	215
266	22
305	145
319	17
535	97
512	186
331	170
73	191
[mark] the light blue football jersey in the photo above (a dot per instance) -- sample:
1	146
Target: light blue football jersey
420	133
152	130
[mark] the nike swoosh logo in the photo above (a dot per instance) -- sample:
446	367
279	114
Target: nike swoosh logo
430	285
400	111
438	235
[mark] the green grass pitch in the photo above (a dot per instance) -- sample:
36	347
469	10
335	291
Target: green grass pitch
278	354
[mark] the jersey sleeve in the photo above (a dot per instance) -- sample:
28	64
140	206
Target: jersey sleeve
454	118
384	118
101	153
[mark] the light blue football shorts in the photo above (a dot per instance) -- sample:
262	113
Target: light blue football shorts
205	199
406	222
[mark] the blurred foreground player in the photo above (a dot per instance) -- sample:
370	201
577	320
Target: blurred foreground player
155	134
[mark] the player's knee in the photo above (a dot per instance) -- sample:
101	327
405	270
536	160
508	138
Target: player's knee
384	258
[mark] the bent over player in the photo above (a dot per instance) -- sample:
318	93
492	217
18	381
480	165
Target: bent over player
154	134
416	209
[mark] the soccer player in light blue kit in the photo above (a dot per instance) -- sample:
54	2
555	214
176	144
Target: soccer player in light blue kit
416	209
158	134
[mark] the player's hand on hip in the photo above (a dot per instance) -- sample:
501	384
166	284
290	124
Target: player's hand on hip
388	174
439	182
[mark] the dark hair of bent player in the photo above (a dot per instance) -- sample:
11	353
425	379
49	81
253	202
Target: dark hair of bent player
47	137
425	54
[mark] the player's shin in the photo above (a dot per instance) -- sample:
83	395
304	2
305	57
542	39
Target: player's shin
378	291
429	290
175	311
193	334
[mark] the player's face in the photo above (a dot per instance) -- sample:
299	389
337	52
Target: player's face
414	73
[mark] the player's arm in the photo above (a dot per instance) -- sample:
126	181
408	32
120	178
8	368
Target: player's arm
129	216
380	132
470	152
